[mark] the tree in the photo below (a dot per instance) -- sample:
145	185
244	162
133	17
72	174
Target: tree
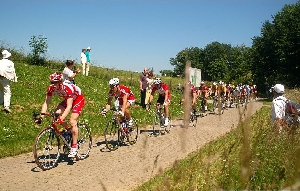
39	47
276	53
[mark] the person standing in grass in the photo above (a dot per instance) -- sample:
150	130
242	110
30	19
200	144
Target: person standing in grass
278	107
68	73
83	60
88	61
7	74
143	87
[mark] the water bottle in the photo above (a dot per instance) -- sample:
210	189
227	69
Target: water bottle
67	135
124	125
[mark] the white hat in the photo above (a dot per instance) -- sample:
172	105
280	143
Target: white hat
279	88
6	54
88	48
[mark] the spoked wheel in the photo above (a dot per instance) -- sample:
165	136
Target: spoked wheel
215	106
218	107
111	135
46	149
193	119
133	133
156	124
84	141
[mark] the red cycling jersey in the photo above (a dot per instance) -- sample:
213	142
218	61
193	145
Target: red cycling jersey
193	89
124	90
68	91
162	90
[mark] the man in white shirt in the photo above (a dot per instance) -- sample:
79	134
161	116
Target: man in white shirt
83	60
7	74
278	107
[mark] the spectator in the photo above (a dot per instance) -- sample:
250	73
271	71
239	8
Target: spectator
143	87
278	107
88	61
83	60
7	74
68	73
150	80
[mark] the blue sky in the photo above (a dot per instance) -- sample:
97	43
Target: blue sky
132	34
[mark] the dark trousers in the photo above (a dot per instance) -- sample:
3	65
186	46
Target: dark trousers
143	97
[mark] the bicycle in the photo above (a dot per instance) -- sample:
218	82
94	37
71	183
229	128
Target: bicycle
117	132
217	106
158	121
193	118
47	145
202	106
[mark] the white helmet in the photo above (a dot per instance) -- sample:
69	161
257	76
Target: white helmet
202	82
279	88
114	82
220	82
157	81
214	83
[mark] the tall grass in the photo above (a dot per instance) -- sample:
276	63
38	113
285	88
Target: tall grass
251	157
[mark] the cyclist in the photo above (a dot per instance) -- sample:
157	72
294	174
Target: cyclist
193	94
214	89
164	97
73	101
124	99
221	92
203	93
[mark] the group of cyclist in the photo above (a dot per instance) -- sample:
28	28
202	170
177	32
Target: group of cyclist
73	100
229	94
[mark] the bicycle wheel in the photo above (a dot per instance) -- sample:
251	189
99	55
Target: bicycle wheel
193	119
111	135
215	106
46	149
133	133
84	141
156	124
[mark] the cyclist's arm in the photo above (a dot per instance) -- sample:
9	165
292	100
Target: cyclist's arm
151	96
45	105
166	97
107	107
68	109
194	98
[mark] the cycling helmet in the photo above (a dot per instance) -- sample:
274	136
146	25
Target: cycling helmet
114	82
56	77
202	82
214	83
157	81
279	88
220	82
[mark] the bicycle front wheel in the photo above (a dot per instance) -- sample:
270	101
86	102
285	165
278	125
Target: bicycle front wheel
84	141
46	149
133	133
111	134
156	124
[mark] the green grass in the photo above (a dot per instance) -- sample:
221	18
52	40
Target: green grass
18	132
251	157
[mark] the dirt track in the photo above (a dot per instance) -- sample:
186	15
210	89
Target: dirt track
124	168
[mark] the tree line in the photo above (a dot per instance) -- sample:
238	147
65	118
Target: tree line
274	56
